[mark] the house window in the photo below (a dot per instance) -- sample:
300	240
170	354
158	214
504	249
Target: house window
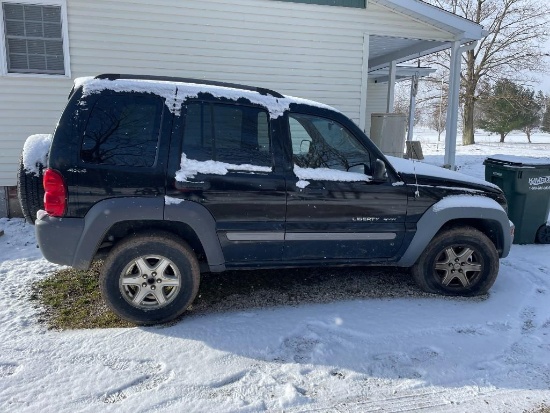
33	37
359	4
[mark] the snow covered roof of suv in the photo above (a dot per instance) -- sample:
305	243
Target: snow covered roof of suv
176	90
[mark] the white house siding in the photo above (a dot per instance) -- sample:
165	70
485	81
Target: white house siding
377	99
27	106
298	49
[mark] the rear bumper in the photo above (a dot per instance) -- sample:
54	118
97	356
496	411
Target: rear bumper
58	238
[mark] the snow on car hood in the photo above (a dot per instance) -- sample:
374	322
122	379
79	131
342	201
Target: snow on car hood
406	166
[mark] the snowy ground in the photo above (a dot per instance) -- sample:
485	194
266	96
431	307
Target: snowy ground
379	354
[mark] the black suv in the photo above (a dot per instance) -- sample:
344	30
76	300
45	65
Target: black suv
167	178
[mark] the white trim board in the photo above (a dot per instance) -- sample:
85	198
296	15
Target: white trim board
464	30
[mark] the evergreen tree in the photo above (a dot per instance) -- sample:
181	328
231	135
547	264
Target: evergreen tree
529	111
508	106
545	123
498	111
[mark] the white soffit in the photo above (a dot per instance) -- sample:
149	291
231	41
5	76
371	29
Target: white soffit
385	49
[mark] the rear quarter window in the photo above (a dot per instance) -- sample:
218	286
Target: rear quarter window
123	130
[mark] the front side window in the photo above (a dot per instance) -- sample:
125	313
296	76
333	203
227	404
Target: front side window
123	130
33	38
323	143
231	134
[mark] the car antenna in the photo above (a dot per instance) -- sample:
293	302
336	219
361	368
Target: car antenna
412	149
417	192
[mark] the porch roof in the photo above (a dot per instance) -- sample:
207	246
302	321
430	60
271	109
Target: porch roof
384	50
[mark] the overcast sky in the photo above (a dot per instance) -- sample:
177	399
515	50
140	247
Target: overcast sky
544	84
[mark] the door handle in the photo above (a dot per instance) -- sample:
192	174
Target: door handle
315	190
192	186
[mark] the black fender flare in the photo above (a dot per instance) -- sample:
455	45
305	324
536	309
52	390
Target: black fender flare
103	215
201	221
442	212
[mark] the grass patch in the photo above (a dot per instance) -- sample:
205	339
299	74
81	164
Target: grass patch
70	299
541	409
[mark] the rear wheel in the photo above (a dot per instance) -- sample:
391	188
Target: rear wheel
460	261
150	278
30	191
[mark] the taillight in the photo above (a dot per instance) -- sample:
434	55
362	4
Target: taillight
55	193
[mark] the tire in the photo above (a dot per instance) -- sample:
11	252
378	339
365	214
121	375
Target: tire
459	262
170	286
543	235
30	191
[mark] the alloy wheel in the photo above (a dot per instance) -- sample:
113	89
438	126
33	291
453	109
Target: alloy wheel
458	267
150	282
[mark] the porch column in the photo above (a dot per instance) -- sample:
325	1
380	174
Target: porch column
452	107
391	87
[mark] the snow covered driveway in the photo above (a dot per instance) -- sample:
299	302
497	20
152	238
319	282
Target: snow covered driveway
392	354
367	355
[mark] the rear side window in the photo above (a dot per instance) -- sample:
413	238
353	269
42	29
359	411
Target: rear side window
123	130
227	133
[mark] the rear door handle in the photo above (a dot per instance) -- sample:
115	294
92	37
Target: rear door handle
192	186
316	190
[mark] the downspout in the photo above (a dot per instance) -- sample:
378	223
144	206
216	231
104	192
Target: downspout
391	87
453	102
364	84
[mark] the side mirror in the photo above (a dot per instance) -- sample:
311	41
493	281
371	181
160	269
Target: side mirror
305	146
380	174
360	168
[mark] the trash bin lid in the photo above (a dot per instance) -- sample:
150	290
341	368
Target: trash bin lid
518	161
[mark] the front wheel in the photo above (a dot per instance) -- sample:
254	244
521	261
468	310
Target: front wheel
150	278
543	235
460	261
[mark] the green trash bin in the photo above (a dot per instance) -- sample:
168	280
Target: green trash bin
526	184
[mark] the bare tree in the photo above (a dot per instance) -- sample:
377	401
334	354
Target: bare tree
518	30
402	103
437	119
402	98
434	99
531	111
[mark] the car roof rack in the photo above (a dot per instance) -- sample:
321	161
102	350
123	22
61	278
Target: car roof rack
260	90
